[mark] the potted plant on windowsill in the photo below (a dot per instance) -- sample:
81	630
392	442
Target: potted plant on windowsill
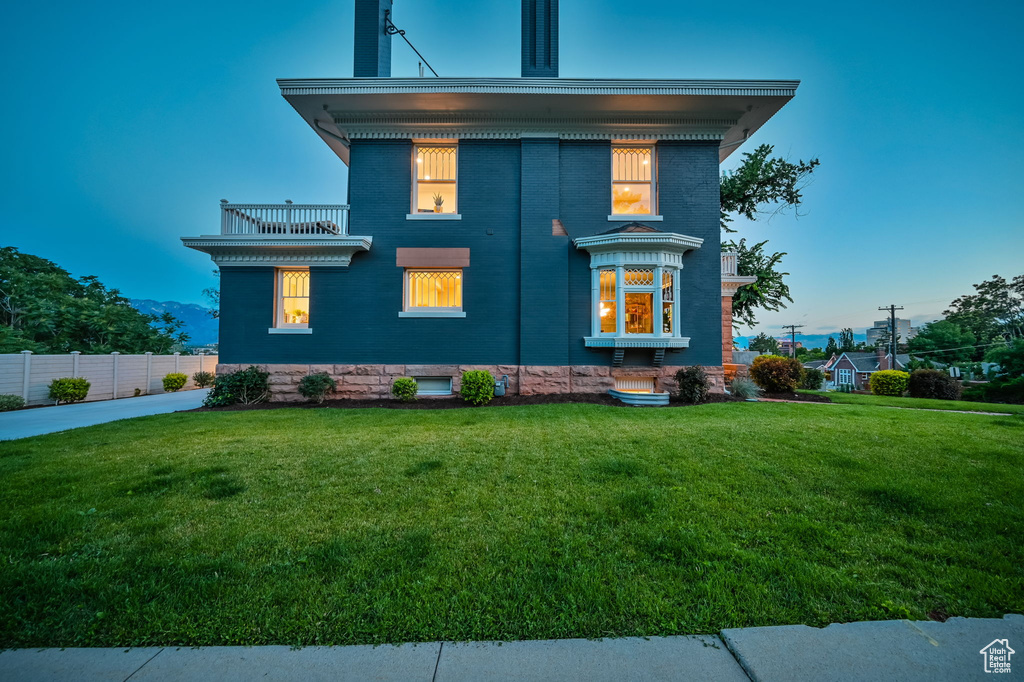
438	202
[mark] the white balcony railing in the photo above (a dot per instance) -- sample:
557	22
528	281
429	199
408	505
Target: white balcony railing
730	264
286	219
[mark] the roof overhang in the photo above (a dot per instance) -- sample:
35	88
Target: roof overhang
668	242
242	250
343	109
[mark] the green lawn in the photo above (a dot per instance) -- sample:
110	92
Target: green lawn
920	403
322	526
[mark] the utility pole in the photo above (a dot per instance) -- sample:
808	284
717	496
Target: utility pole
793	332
892	332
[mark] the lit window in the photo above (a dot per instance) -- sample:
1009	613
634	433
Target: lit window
293	298
435	179
667	301
633	180
608	301
433	290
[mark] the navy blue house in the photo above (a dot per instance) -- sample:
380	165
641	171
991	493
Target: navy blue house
562	232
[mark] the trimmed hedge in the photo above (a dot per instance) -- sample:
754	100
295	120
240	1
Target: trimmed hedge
175	381
776	374
68	389
405	389
11	402
812	379
694	385
477	386
246	386
203	379
933	383
890	382
316	387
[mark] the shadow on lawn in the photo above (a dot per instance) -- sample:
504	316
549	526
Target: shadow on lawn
212	483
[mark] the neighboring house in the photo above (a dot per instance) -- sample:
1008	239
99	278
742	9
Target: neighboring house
880	332
857	368
563	232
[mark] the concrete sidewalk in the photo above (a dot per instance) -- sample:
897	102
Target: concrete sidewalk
42	420
875	651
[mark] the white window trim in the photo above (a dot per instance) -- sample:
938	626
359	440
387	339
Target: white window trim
848	373
291	330
280	326
416	185
420	311
653	216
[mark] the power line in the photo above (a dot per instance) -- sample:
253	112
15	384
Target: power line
793	332
892	330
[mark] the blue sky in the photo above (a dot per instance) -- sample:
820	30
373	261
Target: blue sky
127	122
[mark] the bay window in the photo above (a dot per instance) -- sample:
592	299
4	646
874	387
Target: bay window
435	180
633	180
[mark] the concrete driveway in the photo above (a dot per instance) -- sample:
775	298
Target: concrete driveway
40	420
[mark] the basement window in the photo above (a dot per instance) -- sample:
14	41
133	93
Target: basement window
435	179
434	385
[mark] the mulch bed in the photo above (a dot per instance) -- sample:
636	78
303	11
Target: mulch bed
458	403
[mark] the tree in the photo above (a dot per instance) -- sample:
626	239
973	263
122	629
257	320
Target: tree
994	313
943	341
1010	358
46	310
764	343
810	354
846	342
762	186
831	348
212	295
768	292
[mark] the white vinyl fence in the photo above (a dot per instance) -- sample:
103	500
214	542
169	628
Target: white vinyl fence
112	376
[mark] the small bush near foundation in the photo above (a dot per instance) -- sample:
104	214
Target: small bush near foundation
316	387
933	383
775	373
203	379
405	389
246	386
812	379
694	385
889	382
11	402
174	381
69	389
477	386
742	387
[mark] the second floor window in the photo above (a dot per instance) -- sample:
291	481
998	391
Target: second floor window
633	175
292	298
435	178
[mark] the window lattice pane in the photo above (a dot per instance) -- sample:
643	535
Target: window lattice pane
667	290
637	277
631	164
607	303
295	283
435	288
435	163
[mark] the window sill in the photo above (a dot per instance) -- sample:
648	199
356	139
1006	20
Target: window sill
636	217
430	313
434	216
290	330
636	341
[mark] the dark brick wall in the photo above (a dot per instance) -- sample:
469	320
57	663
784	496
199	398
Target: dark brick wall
540	39
509	192
372	45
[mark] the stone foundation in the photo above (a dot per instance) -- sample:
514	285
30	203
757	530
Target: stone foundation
374	381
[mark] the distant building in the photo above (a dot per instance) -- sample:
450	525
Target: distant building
880	331
856	369
785	345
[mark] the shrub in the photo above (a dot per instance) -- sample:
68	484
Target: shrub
246	386
889	382
742	387
315	387
203	379
174	381
694	385
812	379
69	389
405	389
477	386
932	383
11	402
998	391
776	374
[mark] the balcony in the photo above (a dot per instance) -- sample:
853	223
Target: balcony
281	235
731	280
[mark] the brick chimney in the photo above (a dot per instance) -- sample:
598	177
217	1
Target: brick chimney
540	38
373	44
880	354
